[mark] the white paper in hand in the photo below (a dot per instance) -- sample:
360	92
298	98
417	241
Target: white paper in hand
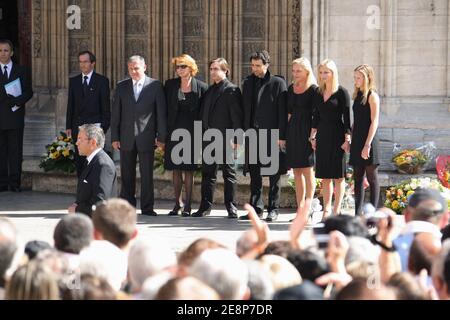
14	88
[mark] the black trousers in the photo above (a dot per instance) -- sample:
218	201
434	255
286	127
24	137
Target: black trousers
128	161
11	156
256	189
209	178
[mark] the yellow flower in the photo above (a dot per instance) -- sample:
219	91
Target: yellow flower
410	192
395	204
66	153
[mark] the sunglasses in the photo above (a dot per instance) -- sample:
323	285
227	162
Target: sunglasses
183	66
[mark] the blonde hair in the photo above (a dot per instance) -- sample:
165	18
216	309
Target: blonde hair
306	65
187	60
330	65
369	82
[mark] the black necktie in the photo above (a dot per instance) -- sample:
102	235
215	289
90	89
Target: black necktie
5	72
85	85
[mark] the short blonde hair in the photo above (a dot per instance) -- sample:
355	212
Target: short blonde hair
187	60
306	65
369	82
330	65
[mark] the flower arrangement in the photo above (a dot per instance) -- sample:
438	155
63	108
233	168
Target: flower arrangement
410	161
59	155
397	196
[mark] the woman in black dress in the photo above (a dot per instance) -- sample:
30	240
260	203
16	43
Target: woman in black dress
330	136
364	149
183	95
300	155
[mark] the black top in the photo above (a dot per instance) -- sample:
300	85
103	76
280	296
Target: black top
361	125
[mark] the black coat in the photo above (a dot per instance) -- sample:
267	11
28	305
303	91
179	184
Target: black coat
269	113
95	107
97	182
142	121
171	88
9	119
225	112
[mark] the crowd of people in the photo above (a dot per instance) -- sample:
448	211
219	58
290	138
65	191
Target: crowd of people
104	258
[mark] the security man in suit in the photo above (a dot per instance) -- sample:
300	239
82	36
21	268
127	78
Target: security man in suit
12	118
88	101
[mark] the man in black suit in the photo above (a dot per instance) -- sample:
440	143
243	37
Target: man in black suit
264	108
139	121
12	118
221	109
88	101
98	181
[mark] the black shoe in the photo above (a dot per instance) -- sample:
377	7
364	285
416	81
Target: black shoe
176	210
246	217
272	216
15	189
186	212
232	214
201	213
3	189
150	213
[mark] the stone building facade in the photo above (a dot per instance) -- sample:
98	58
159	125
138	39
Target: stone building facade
408	43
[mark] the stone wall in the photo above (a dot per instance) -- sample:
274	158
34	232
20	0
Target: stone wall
409	49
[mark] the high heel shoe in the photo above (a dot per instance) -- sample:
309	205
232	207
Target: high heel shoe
176	210
186	212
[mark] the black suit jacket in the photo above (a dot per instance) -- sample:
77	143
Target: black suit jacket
139	121
225	112
8	118
171	88
270	112
97	182
95	107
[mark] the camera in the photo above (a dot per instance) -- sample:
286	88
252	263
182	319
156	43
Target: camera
321	235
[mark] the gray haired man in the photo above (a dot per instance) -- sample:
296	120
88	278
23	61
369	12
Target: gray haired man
98	181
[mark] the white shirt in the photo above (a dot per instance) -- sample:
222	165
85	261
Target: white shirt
86	75
137	90
417	226
9	65
89	159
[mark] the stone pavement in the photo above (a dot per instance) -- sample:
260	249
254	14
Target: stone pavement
35	215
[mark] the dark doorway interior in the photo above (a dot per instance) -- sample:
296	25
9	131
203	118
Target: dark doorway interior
15	25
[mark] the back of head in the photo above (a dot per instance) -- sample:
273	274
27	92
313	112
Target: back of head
259	282
307	290
90	287
406	286
187	288
359	289
223	271
282	273
422	252
311	265
115	220
447	273
246	242
146	258
426	205
187	257
32	281
361	249
8	246
348	225
279	248
32	248
73	233
103	259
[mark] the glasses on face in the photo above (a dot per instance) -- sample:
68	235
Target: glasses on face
182	66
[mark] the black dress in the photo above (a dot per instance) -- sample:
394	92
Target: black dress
361	125
184	120
331	118
299	152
